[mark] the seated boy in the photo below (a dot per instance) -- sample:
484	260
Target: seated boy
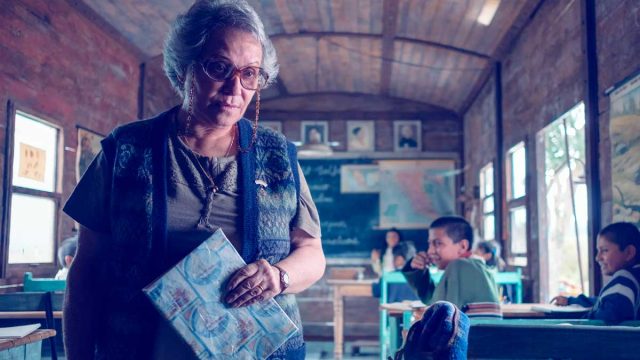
619	257
465	280
66	252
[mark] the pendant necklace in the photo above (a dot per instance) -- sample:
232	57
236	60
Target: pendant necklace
211	189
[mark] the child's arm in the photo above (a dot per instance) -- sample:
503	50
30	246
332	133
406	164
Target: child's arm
419	279
582	300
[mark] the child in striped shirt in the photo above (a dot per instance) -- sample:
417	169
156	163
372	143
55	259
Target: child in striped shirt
619	257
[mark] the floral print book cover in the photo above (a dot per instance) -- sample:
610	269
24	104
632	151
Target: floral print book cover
190	297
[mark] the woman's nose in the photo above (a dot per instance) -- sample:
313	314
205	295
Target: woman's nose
232	85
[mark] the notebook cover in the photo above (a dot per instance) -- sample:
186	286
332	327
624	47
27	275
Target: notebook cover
190	296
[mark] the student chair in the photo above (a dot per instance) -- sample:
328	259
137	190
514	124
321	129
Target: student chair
389	337
513	278
28	302
32	284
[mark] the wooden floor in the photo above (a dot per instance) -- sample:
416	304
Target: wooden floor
324	350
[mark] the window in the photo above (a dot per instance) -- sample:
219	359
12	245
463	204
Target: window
516	203
487	202
563	214
34	191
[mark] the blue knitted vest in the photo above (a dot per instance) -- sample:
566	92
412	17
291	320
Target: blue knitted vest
138	214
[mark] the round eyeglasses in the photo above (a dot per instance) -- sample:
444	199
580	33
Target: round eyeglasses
251	77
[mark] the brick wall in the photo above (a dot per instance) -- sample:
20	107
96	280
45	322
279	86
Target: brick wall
543	77
58	65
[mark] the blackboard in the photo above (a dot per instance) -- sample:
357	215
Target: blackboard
349	221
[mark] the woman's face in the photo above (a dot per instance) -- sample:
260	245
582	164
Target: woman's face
222	103
392	238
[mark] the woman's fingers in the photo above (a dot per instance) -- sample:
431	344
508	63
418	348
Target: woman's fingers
253	283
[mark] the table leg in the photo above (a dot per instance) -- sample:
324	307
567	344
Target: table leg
338	335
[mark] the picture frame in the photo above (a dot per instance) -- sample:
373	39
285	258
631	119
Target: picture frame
361	135
88	147
273	125
314	132
407	135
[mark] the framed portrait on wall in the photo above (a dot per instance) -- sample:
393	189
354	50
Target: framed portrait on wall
314	132
273	125
361	135
88	148
407	135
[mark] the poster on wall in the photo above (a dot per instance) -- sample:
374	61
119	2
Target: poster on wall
32	162
88	148
624	130
424	190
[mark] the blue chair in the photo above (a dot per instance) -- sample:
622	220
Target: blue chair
32	284
390	340
513	278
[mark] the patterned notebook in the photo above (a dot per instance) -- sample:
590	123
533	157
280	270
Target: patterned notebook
190	296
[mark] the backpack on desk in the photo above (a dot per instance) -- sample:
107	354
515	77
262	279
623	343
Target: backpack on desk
442	333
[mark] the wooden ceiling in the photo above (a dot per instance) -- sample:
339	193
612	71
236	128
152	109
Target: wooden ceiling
430	51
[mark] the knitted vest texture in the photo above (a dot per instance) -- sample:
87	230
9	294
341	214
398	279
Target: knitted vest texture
269	193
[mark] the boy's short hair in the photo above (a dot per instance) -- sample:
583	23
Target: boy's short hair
405	249
68	247
623	234
456	227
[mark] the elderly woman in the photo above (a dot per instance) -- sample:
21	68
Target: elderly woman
161	186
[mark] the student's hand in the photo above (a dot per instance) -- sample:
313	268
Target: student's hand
420	261
560	300
375	255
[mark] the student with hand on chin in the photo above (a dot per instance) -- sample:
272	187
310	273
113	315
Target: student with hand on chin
465	280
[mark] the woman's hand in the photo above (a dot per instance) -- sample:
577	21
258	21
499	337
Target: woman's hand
560	300
253	283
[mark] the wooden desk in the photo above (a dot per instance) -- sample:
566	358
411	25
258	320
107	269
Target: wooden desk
28	315
27	348
342	289
523	311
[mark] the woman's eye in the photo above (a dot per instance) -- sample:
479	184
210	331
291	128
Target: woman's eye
249	73
217	67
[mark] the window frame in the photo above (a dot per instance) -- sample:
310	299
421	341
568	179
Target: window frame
513	203
484	171
47	268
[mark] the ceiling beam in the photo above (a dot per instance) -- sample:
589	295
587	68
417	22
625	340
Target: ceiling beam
389	23
521	22
322	34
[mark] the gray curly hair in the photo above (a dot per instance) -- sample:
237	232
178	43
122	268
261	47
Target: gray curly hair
189	34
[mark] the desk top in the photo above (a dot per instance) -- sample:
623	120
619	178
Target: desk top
345	282
509	311
37	335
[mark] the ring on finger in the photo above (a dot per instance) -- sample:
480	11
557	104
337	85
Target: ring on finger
260	287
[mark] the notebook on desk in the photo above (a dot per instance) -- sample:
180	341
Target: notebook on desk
16	332
550	308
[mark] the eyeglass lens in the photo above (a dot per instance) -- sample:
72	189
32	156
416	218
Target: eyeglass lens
251	77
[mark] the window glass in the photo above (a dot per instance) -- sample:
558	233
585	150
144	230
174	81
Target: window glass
518	162
32	229
518	229
34	154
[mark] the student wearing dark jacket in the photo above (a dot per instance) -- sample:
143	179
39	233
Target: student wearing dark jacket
619	257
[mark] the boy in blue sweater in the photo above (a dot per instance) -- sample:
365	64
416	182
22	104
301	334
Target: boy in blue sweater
619	257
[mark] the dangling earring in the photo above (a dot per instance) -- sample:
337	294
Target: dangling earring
254	134
187	125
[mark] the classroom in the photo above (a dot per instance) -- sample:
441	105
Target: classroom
320	179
